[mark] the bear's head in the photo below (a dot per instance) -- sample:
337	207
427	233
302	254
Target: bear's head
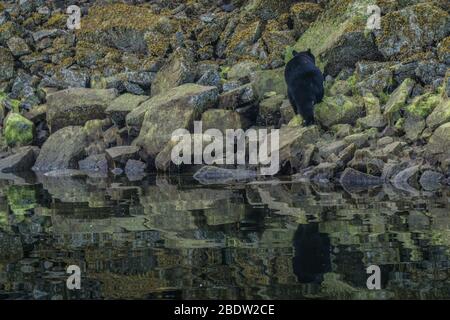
306	53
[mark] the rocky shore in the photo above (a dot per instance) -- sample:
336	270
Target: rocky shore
105	99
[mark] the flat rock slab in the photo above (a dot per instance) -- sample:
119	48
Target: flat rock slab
121	154
74	107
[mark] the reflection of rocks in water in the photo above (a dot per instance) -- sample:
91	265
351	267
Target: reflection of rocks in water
171	238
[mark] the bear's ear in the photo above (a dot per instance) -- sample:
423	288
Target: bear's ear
309	50
294	53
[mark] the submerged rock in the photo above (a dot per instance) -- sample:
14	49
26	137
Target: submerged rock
431	180
62	150
213	175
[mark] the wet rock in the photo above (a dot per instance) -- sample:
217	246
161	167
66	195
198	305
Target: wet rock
76	106
209	175
135	168
192	96
123	105
397	101
411	29
223	120
6	64
269	111
65	173
96	163
352	179
178	70
118	156
18	130
339	110
171	111
338	39
18	46
406	178
62	150
22	160
431	180
439	141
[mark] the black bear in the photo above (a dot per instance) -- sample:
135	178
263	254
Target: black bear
305	84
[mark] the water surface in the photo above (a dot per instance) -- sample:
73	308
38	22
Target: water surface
173	238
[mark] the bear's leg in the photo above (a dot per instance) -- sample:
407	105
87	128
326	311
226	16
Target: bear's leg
307	112
292	101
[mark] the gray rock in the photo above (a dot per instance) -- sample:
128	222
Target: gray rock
67	78
431	180
22	160
210	175
210	78
124	104
178	70
352	179
18	46
118	156
6	64
62	150
96	164
77	106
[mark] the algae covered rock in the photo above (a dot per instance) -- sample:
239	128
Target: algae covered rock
269	81
176	109
76	106
62	150
397	100
338	37
187	97
223	120
18	130
121	106
440	115
339	109
412	29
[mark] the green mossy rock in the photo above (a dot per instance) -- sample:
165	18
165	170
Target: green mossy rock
338	37
339	109
397	101
440	115
269	81
18	130
440	140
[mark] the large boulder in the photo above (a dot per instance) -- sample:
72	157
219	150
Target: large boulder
178	70
123	105
266	81
74	107
62	150
338	37
440	140
223	120
440	115
339	109
163	114
412	30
